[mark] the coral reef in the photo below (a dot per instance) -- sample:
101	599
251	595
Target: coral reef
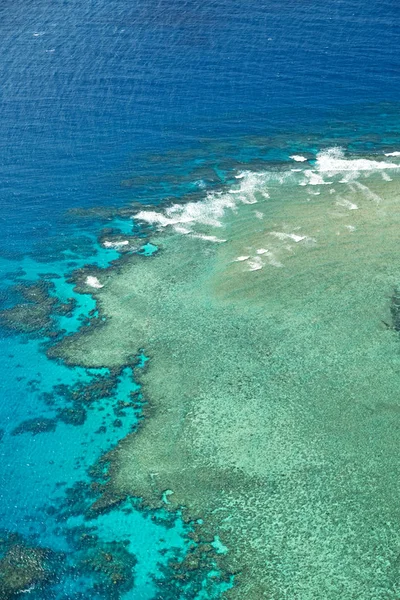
33	313
22	567
33	308
35	426
113	566
268	388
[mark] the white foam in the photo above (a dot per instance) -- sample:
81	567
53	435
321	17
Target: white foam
396	153
350	227
262	251
314	178
298	158
198	219
119	244
154	218
333	160
248	199
350	176
255	264
288	236
200	183
208	212
208	238
346	204
252	182
185	218
241	258
386	176
28	589
93	282
182	230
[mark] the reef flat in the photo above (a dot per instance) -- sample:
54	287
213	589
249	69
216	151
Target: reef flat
270	317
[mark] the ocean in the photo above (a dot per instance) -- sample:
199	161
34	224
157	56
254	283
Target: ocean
116	109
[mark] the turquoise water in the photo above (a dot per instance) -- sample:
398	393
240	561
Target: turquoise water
51	462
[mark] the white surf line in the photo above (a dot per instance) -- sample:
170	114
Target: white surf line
334	160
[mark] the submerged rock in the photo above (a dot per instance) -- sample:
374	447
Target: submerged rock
35	426
74	415
22	567
34	306
111	564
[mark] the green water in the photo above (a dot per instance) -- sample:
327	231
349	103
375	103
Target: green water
273	380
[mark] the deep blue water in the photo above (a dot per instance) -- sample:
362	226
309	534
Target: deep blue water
88	88
157	94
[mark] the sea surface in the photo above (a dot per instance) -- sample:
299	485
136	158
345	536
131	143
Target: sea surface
105	104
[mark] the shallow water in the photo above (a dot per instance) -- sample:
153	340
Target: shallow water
273	378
